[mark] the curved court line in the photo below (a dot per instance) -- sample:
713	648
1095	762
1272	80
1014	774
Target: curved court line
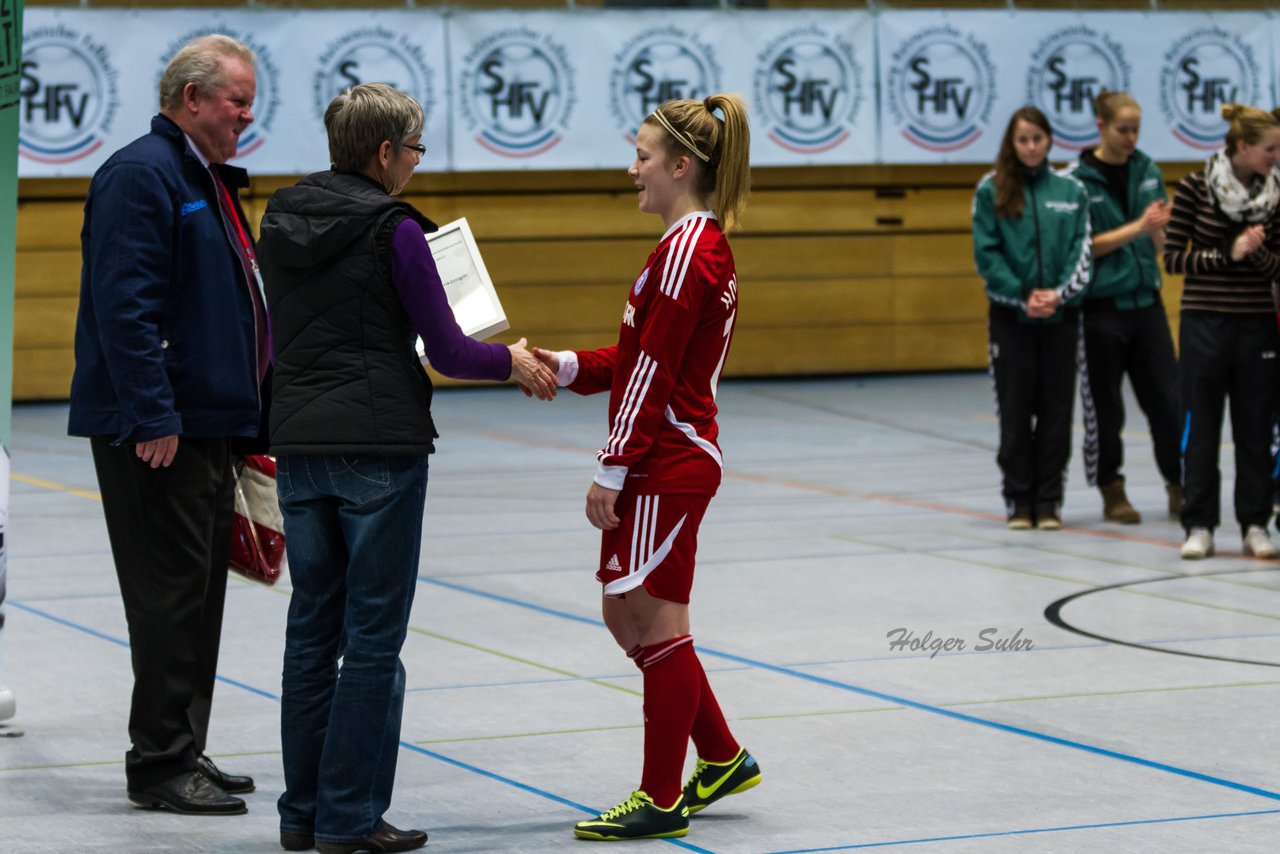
1053	614
474	769
890	698
1028	831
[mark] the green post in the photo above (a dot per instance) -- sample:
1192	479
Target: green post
10	68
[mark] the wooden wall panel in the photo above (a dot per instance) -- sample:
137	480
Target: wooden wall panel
42	373
845	269
47	272
44	322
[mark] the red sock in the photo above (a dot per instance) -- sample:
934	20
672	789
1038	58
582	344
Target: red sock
634	654
671	690
710	733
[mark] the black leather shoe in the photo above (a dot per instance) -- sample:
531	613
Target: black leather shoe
292	841
189	793
230	783
385	838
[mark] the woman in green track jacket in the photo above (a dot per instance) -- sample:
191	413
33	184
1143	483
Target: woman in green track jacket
1126	330
1031	245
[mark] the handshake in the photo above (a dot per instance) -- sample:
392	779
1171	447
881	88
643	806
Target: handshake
534	370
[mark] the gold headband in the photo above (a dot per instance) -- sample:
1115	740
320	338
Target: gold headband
682	138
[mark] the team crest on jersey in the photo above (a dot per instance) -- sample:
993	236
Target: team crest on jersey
639	285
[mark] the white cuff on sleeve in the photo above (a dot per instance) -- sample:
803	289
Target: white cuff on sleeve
568	371
611	477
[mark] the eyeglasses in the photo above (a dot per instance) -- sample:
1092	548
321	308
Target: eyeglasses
419	147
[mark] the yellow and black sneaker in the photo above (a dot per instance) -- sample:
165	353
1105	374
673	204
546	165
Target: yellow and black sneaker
638	817
711	781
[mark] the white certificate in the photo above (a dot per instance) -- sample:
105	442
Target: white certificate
466	281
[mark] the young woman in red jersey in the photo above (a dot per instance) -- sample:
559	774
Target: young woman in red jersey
661	464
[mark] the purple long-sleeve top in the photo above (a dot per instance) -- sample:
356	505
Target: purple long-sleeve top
417	282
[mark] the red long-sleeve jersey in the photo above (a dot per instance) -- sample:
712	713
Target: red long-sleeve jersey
663	372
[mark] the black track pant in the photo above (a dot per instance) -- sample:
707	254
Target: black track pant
1034	367
1137	343
1227	356
170	532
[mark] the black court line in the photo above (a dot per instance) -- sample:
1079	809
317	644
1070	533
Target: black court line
1053	614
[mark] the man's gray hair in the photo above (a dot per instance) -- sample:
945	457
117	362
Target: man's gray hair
199	61
362	117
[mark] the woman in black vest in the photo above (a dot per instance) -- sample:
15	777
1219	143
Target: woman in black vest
350	285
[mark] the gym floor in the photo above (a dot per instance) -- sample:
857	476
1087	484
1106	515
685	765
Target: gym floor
854	512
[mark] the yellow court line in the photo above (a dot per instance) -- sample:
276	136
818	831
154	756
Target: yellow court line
56	487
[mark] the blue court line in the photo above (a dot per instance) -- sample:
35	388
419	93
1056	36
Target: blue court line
1028	831
449	585
124	643
530	789
542	793
901	701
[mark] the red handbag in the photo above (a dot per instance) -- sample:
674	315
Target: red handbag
257	531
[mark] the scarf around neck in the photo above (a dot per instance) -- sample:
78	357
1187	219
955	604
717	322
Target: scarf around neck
1254	203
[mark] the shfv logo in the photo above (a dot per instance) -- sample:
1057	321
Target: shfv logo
374	55
808	86
657	66
941	88
266	102
1068	70
1202	71
68	98
517	92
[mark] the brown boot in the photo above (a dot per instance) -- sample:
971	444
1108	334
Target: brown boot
1116	506
1175	500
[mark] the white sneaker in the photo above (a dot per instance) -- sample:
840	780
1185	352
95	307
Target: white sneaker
1199	544
1258	543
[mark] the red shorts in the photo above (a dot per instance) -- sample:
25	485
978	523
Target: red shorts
654	545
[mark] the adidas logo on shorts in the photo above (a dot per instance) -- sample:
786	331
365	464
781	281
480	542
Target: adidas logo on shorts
613	566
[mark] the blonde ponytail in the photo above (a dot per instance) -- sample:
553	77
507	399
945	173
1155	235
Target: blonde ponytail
721	147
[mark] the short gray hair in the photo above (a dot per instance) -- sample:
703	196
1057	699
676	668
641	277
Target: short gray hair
362	117
199	61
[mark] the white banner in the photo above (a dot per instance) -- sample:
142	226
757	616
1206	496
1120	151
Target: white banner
813	86
1204	61
90	79
568	91
560	89
940	75
950	81
517	91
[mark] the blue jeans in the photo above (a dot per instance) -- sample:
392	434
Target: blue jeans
353	531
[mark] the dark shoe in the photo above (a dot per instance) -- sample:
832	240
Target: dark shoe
1116	506
230	783
189	793
385	838
712	781
292	841
1048	518
638	817
1020	518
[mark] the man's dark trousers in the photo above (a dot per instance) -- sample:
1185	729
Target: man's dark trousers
170	532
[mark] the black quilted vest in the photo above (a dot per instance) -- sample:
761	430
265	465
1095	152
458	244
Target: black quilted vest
347	378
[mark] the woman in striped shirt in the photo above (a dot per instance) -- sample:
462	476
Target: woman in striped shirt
1224	238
